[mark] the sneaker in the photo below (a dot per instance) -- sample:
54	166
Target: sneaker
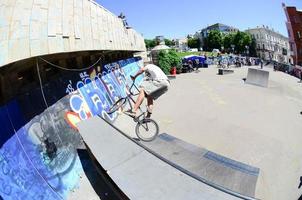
148	114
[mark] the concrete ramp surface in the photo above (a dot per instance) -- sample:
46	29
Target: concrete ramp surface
257	77
138	173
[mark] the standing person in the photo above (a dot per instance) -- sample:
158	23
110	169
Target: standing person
155	84
205	63
261	63
219	59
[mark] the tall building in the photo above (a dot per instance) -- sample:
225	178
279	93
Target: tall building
270	45
294	29
203	33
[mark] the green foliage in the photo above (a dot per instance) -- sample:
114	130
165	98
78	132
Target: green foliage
175	60
169	42
241	40
168	59
163	61
214	40
150	43
193	43
253	48
228	41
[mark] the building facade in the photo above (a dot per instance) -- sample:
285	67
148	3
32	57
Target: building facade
294	29
181	44
270	45
203	33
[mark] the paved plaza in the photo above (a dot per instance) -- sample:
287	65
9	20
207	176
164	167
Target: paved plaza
258	126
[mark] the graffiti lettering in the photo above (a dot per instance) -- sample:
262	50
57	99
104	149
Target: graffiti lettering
95	97
69	88
84	75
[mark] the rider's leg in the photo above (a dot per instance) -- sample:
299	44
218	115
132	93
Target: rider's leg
139	100
150	106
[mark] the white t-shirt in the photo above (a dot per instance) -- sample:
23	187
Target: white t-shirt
154	72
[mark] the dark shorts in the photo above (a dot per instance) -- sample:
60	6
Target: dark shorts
155	88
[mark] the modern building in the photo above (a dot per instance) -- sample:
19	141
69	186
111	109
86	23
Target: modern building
294	28
203	33
270	45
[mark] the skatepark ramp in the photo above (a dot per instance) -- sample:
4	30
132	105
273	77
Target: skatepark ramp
142	173
257	77
39	141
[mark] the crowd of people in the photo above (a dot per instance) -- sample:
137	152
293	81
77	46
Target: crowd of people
224	61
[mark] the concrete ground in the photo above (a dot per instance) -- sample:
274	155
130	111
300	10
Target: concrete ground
254	125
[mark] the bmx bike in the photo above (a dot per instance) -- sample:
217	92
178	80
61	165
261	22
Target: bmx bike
146	129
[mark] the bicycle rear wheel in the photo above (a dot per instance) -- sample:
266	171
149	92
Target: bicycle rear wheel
146	130
116	105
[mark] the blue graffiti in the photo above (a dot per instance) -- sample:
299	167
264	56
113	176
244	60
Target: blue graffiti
106	88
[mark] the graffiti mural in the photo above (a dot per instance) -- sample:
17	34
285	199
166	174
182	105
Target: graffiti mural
39	160
94	96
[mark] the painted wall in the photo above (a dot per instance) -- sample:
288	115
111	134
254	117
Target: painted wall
38	156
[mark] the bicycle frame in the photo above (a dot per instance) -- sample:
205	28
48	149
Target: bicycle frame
129	97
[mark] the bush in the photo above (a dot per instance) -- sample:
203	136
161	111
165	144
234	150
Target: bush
169	59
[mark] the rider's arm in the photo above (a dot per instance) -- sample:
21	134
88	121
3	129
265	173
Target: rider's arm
140	71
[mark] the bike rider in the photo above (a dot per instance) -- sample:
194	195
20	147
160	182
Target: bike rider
154	85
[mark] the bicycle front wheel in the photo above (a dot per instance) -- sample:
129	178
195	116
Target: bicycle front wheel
146	130
116	105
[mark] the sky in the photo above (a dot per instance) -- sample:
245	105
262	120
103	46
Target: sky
178	18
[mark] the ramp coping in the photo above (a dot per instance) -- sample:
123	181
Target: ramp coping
232	163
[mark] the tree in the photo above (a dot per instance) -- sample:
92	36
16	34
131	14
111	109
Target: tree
169	42
193	43
241	40
252	48
228	41
150	43
214	40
